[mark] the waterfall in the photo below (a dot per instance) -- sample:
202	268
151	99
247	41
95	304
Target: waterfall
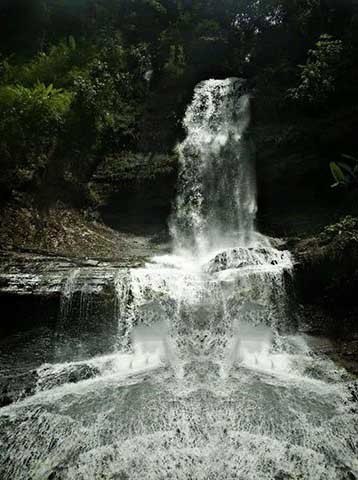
216	205
222	273
209	378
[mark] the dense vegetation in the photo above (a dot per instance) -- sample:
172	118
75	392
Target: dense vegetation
87	85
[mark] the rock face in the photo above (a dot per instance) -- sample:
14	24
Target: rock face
326	279
38	290
327	265
44	275
66	298
62	232
136	190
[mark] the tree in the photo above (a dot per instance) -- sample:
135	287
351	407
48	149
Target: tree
31	121
317	77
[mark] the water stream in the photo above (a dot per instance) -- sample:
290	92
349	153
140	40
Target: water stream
208	378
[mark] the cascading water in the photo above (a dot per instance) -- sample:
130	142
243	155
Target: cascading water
208	381
216	205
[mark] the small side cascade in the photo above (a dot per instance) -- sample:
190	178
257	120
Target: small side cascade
80	290
76	299
67	295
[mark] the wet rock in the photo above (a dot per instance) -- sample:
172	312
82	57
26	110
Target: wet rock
84	372
247	257
17	387
332	333
44	275
326	282
326	279
52	376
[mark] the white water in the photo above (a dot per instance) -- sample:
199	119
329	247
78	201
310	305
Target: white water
216	205
209	380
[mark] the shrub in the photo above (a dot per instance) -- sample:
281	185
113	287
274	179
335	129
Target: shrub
49	67
30	121
317	78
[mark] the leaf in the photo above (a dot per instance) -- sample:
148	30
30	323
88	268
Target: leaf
337	173
346	167
349	157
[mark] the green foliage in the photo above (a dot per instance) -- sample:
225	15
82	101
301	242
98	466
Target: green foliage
208	28
107	102
317	78
176	63
344	173
51	67
337	173
346	228
31	116
31	121
104	53
95	114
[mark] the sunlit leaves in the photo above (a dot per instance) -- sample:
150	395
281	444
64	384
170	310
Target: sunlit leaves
31	120
317	77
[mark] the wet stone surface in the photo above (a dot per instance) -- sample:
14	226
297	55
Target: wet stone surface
28	274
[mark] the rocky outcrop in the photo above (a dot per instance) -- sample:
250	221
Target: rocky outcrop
44	275
65	232
326	278
38	290
135	190
248	257
327	265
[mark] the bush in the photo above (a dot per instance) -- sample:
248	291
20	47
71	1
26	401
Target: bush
49	67
105	106
30	121
317	78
